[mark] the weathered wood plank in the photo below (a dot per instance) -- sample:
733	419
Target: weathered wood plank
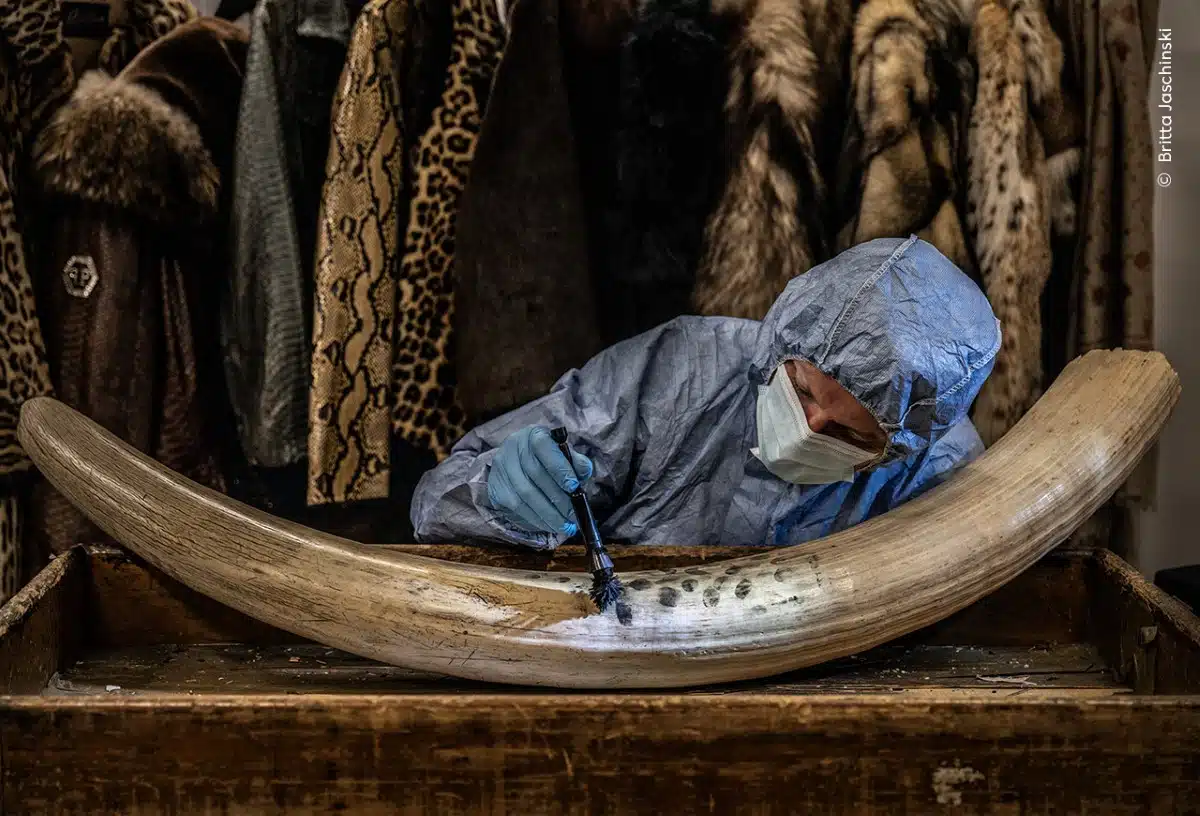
132	604
1151	639
313	669
598	754
40	626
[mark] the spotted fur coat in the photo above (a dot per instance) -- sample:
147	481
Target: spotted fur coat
35	77
1022	150
957	129
961	132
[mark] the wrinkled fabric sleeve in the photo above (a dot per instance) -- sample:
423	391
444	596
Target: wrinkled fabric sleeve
603	406
263	324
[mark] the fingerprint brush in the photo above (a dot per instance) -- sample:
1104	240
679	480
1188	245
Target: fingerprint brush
606	587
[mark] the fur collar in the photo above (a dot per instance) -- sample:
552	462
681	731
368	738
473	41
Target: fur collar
120	144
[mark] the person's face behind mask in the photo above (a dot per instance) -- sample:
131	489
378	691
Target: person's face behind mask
813	431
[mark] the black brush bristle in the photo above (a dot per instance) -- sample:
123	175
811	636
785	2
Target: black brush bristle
605	590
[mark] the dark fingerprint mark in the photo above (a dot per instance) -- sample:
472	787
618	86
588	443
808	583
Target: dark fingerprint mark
743	588
624	613
668	596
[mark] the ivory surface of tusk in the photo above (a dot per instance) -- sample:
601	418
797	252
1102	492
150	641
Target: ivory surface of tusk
745	618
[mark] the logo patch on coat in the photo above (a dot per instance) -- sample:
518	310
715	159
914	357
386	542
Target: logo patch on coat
80	276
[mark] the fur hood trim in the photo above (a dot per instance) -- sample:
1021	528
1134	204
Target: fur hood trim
121	144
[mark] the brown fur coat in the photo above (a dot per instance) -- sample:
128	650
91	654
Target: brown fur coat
131	168
36	76
958	130
961	133
770	225
903	168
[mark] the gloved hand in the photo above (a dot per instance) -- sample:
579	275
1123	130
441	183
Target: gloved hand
530	482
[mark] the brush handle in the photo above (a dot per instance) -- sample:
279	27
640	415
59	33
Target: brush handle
583	510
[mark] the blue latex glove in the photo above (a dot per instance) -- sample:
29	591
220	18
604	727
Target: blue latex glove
530	482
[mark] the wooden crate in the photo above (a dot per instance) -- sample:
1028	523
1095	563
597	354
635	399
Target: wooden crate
1074	689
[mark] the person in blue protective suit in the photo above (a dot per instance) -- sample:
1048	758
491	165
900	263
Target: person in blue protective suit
848	399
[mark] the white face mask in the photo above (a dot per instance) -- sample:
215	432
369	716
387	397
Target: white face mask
793	451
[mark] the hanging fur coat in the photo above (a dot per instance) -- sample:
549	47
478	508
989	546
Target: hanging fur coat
669	148
1103	289
1022	149
131	170
784	97
912	83
979	165
426	412
535	259
36	75
381	363
602	145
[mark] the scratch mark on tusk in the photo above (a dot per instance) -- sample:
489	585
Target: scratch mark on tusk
815	563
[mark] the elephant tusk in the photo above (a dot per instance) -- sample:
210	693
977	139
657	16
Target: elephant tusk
745	618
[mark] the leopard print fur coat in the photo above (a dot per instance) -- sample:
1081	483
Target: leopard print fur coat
35	77
384	313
